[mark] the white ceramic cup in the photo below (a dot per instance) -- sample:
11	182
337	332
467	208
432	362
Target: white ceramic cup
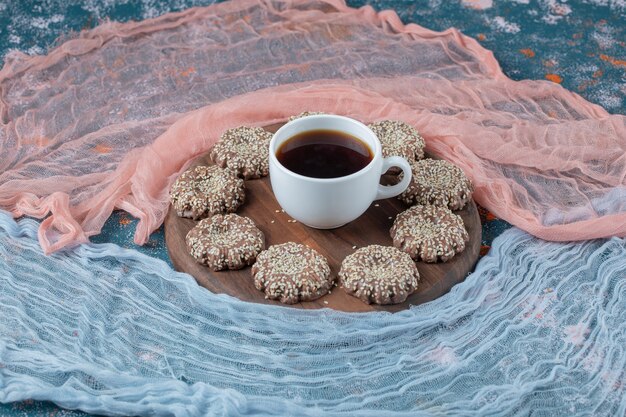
327	203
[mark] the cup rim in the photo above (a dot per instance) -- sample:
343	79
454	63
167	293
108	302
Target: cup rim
377	149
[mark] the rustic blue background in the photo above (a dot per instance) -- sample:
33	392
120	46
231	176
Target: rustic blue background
580	44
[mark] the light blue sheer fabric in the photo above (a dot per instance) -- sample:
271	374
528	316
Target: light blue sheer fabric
537	329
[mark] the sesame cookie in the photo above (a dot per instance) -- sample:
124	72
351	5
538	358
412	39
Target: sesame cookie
304	114
206	190
399	139
379	275
225	241
245	150
291	272
429	233
439	183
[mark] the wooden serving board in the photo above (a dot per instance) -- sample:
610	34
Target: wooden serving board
371	228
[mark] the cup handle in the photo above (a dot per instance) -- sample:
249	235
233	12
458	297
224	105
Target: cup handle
388	191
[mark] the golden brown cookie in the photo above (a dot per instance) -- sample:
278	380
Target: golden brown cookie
399	139
206	190
244	150
225	241
379	275
429	233
439	183
291	272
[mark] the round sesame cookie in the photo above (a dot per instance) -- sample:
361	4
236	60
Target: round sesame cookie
225	241
304	114
438	183
291	272
379	275
245	150
206	190
429	233
399	139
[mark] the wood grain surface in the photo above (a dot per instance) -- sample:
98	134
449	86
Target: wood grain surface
371	228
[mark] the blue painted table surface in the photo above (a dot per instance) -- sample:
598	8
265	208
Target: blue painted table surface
580	44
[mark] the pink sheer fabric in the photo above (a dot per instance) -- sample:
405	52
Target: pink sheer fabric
109	119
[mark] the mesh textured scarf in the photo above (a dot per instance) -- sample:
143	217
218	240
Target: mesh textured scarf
534	330
108	119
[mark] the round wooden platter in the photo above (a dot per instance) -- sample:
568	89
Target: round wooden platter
371	228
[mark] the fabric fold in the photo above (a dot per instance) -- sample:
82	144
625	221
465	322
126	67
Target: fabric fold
108	119
537	328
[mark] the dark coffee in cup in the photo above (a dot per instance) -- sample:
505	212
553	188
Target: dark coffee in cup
324	154
340	188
